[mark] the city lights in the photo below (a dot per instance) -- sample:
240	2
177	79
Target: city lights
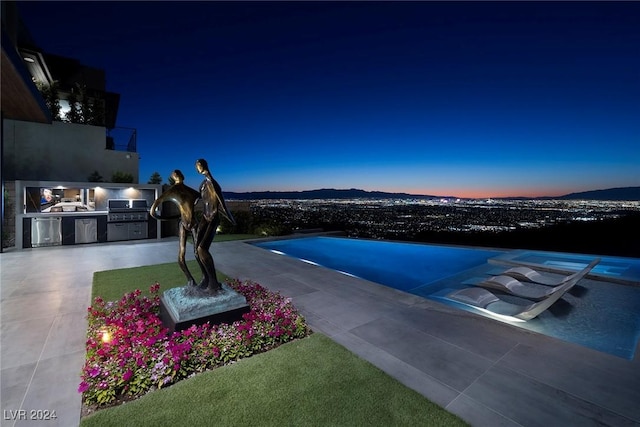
417	219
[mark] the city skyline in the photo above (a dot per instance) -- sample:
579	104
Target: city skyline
475	99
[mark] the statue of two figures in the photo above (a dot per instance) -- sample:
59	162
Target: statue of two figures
202	229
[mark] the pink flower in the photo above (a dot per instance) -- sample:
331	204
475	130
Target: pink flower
141	345
140	326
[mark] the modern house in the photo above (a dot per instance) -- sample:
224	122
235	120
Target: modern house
59	136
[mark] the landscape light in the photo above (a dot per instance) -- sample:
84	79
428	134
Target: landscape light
105	336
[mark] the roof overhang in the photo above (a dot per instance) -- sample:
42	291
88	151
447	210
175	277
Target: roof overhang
21	100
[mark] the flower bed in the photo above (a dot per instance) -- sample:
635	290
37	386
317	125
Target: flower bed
129	352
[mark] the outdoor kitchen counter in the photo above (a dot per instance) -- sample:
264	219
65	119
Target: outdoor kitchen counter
72	228
50	214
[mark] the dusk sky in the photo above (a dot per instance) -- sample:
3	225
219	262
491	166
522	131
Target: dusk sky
476	99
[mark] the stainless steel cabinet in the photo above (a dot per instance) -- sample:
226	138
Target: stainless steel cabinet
138	230
86	230
127	231
117	231
46	231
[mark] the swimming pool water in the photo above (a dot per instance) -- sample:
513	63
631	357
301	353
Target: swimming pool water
596	314
403	266
623	270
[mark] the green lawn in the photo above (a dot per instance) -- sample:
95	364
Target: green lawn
309	382
111	285
227	237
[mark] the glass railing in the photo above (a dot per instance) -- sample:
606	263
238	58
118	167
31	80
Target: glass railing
122	139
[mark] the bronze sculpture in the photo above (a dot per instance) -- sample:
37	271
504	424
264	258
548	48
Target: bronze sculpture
213	206
185	198
202	231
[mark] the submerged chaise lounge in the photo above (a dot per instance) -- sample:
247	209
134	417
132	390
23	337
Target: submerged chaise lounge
533	291
527	274
483	299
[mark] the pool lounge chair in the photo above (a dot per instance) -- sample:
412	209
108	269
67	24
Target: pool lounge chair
484	300
533	291
527	274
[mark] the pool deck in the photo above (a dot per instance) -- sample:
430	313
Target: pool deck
486	372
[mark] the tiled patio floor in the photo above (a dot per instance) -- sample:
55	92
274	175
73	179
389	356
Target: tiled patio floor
486	372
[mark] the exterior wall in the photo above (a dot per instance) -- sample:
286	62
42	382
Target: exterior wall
9	226
61	152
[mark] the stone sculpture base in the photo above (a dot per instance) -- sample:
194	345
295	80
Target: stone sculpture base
182	307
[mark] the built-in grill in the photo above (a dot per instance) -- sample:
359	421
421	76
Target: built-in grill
127	219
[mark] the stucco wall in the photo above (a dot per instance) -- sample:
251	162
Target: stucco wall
61	152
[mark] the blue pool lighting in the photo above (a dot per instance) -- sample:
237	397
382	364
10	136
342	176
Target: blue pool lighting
596	313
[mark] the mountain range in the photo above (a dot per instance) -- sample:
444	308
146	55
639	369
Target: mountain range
621	193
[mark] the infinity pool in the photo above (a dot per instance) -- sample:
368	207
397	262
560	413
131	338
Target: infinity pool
601	315
402	266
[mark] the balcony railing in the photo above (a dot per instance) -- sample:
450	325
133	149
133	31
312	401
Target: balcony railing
122	139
